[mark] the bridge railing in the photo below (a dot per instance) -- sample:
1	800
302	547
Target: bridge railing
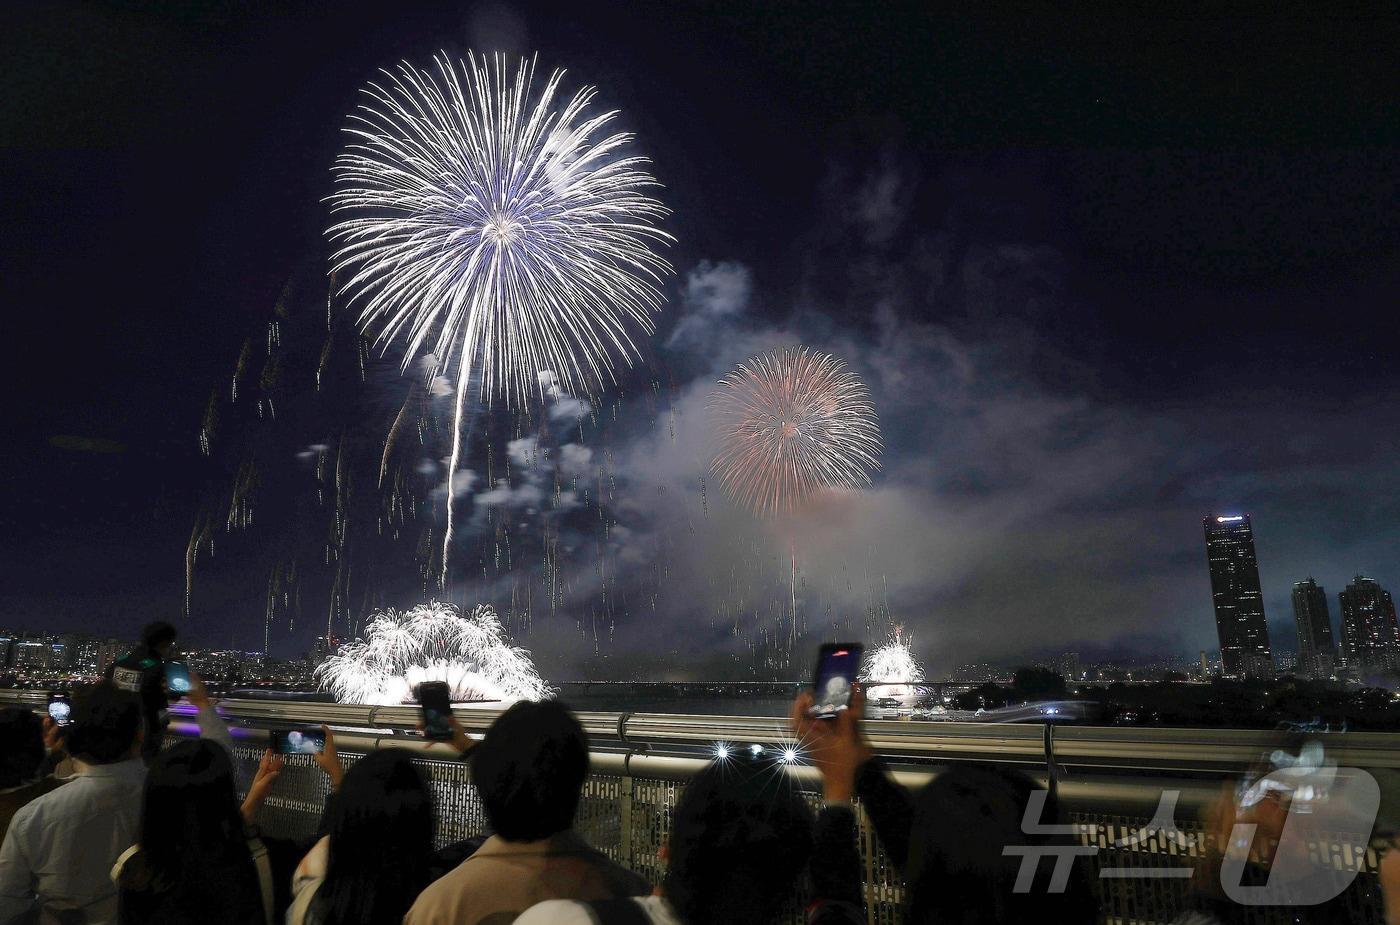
1115	783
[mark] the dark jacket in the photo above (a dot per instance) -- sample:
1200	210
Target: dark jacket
142	671
837	897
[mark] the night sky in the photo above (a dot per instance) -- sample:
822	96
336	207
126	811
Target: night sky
1104	275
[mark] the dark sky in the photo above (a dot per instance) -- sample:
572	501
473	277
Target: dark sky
1104	273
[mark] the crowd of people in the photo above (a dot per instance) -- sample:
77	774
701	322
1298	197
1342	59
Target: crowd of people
144	836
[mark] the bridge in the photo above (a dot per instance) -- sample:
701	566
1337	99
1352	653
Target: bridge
1118	785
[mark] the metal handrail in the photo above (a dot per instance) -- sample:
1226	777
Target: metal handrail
656	740
1132	748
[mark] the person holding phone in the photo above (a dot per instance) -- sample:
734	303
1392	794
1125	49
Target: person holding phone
438	724
948	840
142	672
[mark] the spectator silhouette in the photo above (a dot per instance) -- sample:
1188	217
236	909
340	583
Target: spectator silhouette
740	837
950	841
142	672
378	854
529	770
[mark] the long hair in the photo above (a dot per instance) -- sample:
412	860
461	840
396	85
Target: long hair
193	844
381	842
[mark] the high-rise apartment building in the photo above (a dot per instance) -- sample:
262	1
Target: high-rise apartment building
1239	603
1317	653
1370	636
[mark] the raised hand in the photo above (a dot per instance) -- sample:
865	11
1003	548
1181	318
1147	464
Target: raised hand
836	746
199	694
462	742
268	769
53	734
328	759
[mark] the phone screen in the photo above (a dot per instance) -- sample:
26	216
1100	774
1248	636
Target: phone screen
838	665
310	741
436	700
60	710
177	677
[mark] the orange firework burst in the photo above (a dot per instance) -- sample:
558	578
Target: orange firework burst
791	423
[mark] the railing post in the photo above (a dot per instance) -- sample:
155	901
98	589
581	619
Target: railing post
871	886
624	799
624	815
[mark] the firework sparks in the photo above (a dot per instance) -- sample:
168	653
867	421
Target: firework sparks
496	229
432	642
792	422
891	668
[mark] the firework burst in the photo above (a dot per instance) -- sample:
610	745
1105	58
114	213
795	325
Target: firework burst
790	423
497	229
891	662
432	642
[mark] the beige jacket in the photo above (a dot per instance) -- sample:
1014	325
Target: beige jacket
503	879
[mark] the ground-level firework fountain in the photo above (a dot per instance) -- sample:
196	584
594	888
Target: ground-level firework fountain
432	642
890	670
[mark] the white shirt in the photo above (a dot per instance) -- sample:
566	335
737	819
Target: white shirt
62	845
569	912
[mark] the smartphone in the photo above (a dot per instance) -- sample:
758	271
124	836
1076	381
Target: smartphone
436	699
307	741
838	666
60	709
177	677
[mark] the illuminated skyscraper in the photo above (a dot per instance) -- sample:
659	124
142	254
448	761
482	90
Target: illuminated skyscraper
1317	654
1370	636
1239	604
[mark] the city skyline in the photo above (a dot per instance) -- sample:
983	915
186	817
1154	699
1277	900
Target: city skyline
1314	646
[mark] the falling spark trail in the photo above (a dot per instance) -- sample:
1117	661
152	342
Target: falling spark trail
792	587
452	465
394	431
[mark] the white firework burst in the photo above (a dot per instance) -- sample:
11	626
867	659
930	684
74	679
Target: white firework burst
432	642
891	668
496	229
